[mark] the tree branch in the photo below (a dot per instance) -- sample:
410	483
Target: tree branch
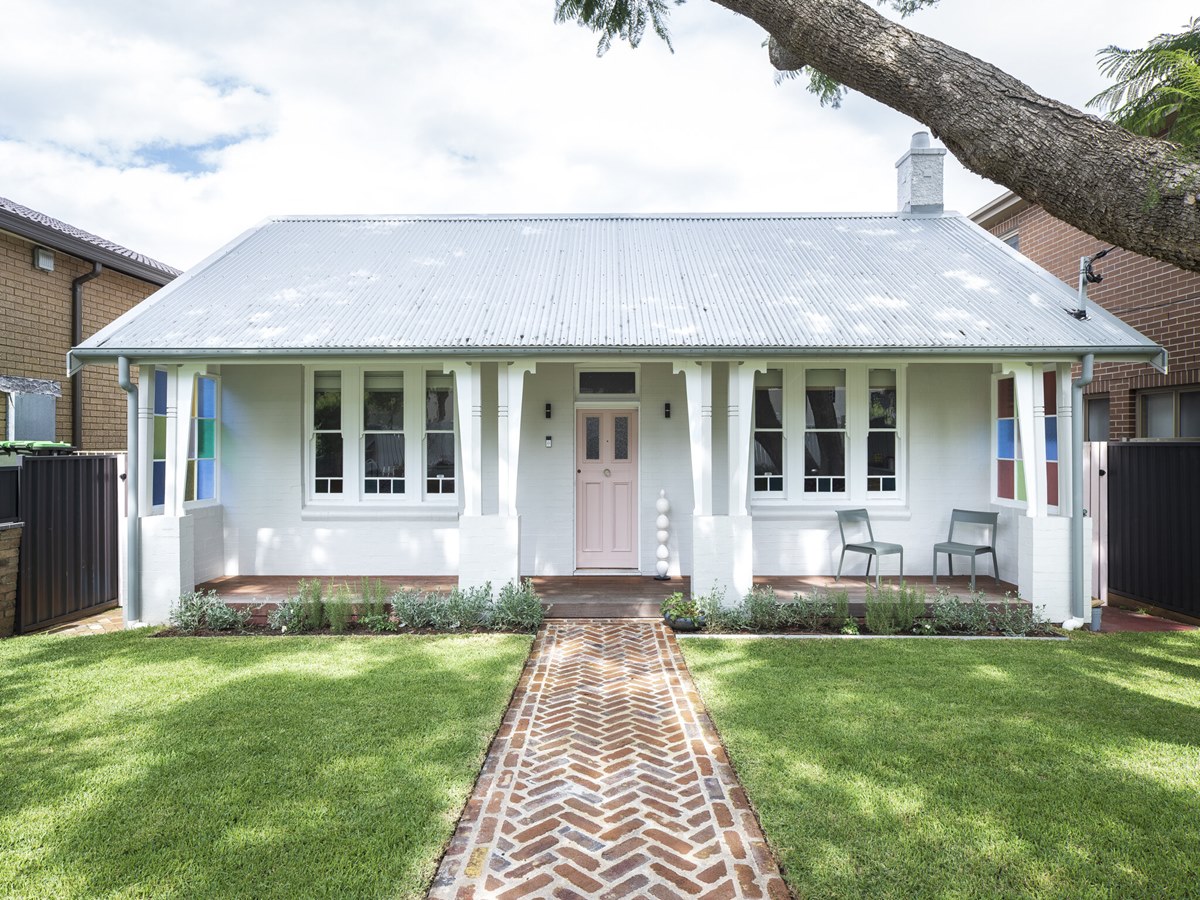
1136	192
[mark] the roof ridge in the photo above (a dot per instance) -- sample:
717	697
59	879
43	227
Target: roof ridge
589	217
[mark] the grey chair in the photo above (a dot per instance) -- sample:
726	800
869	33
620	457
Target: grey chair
953	548
873	548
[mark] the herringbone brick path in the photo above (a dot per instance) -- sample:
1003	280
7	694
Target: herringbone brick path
607	780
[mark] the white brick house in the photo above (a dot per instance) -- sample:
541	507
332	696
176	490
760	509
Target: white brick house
501	396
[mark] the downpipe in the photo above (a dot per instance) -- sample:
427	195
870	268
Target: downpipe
76	340
1079	603
133	580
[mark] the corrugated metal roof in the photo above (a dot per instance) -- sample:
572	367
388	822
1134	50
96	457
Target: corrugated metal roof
41	227
688	283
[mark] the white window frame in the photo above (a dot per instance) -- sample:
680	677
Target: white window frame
354	494
635	368
857	425
755	493
215	500
994	431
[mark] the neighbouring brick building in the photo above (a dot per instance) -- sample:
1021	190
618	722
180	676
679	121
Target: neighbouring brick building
41	259
1126	400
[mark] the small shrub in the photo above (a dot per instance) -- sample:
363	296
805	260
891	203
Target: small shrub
882	611
809	613
850	626
372	599
517	608
337	609
839	610
678	606
411	609
761	609
1017	619
717	616
953	615
287	616
312	606
205	610
469	608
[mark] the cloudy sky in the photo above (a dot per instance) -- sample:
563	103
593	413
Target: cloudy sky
171	127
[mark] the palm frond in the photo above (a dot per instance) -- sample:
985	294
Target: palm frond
1157	87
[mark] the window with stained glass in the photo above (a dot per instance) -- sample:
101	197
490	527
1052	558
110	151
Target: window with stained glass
158	465
200	482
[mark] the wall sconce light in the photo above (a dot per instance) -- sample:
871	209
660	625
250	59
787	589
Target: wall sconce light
666	410
43	258
547	414
549	441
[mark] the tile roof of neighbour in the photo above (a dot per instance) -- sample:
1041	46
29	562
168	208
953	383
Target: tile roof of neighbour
44	229
771	283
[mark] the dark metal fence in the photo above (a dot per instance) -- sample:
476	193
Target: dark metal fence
69	559
10	493
1154	524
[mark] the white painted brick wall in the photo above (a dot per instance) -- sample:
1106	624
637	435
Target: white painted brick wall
208	536
546	481
261	470
949	440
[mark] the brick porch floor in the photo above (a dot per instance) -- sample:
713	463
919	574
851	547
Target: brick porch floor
607	779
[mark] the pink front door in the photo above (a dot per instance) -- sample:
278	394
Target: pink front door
606	489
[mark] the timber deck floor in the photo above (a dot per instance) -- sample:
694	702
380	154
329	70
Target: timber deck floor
594	596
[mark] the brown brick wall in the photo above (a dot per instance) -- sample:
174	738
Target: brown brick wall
1159	300
10	551
37	335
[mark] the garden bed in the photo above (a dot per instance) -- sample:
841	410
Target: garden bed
902	611
334	609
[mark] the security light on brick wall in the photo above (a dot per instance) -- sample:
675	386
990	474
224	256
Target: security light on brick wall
43	259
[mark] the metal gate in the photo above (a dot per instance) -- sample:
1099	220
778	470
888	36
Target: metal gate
69	558
1154	523
1095	504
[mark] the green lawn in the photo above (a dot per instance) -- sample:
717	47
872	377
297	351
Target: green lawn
968	769
133	766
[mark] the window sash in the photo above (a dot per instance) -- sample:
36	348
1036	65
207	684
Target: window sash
768	443
200	479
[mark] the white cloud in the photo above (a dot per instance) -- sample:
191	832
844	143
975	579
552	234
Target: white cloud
171	128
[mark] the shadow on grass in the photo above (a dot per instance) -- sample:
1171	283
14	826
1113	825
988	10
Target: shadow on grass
919	769
242	767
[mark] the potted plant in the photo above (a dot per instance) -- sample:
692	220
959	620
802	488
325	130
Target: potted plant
682	613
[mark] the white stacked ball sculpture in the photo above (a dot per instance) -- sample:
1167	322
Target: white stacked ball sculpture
663	506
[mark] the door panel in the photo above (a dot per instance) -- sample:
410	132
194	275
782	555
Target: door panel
606	489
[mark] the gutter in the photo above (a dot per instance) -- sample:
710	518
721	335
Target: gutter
1152	355
76	340
133	579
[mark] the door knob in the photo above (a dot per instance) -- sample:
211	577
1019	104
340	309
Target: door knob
607	472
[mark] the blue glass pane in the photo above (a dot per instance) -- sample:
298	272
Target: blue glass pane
206	479
1005	430
159	488
160	392
206	400
1052	439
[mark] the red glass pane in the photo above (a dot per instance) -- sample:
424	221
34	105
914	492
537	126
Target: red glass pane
1050	392
1004	479
1052	483
1004	398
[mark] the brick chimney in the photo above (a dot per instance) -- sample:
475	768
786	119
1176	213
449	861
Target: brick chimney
919	177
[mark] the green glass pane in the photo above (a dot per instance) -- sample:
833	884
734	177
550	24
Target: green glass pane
189	484
206	438
160	437
1020	480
